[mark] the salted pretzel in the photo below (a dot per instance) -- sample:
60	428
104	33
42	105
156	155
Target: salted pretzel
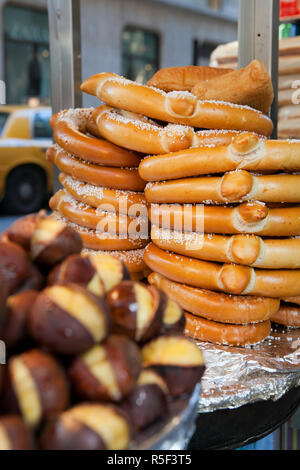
178	107
292	300
97	219
110	177
217	306
184	78
287	315
104	241
70	128
134	259
248	250
235	186
228	335
228	278
137	132
247	152
249	217
123	202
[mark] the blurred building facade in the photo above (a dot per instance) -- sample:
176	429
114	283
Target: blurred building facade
129	37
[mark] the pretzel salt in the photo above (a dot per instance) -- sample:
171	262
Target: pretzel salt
178	107
139	133
235	186
118	200
228	278
201	329
249	217
217	306
248	250
70	129
87	216
247	152
110	177
287	315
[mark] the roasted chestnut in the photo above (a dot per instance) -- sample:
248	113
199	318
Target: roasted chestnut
108	371
137	310
177	359
22	229
111	270
88	426
173	319
14	434
35	387
52	241
147	403
68	319
14	325
14	264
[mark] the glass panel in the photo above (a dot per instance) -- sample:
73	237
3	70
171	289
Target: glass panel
41	126
3	119
24	24
139	54
27	62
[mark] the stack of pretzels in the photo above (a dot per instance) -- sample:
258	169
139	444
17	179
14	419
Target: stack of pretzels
101	185
223	199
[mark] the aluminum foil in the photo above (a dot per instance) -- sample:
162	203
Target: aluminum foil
236	376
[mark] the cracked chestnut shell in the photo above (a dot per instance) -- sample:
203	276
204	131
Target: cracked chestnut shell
68	319
108	371
137	310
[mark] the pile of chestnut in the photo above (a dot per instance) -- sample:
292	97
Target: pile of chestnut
93	357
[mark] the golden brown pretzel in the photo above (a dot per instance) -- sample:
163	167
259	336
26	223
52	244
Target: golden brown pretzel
184	78
69	131
247	152
134	259
123	202
115	178
233	187
229	278
137	132
248	250
217	306
249	217
178	107
97	219
227	335
96	240
288	315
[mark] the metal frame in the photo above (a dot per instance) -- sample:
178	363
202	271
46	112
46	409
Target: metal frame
65	58
258	38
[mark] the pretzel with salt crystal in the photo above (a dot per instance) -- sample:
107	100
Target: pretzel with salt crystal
217	306
120	201
87	216
104	241
110	177
247	151
201	329
228	278
249	217
287	315
70	128
134	259
137	132
178	107
247	250
235	186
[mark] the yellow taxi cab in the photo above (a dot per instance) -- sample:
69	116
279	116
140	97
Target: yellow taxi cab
25	176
